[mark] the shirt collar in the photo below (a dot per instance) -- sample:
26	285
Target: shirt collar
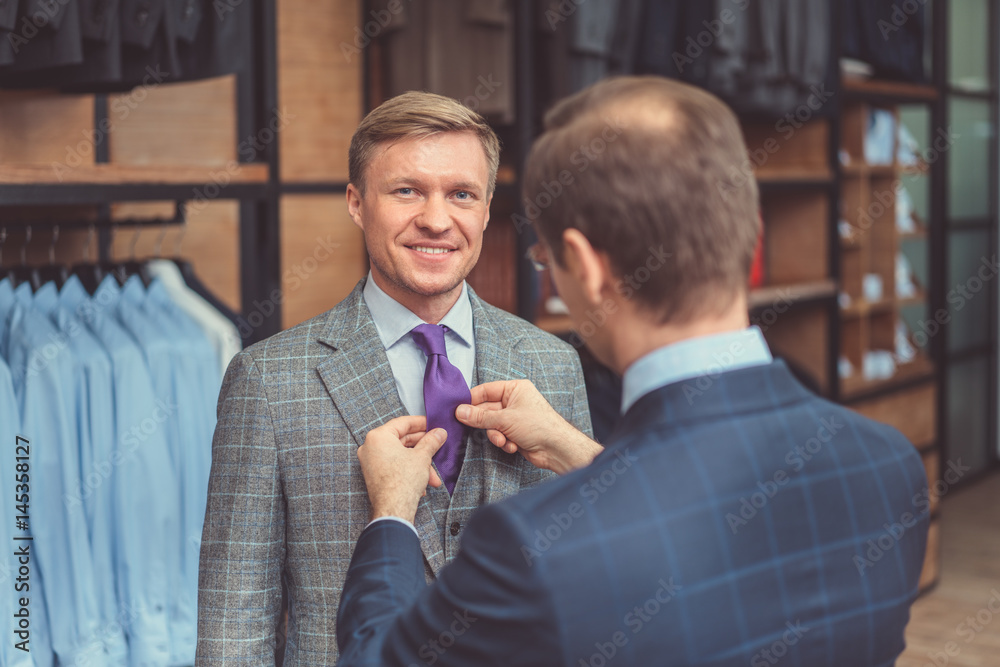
692	358
393	320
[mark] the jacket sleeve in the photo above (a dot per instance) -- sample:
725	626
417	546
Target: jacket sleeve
490	606
243	546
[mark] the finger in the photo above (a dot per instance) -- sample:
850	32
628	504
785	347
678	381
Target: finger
403	426
490	391
510	448
496	437
435	479
431	442
478	418
410	439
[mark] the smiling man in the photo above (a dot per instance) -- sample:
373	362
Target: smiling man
287	499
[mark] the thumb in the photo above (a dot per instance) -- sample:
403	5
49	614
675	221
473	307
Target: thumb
430	443
476	417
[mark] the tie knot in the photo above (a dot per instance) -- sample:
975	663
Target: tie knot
429	338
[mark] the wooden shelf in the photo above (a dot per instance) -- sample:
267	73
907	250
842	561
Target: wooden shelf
860	307
122	174
777	177
765	297
894	91
554	324
919	300
919	369
862	170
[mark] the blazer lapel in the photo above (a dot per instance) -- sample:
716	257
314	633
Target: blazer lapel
495	361
359	379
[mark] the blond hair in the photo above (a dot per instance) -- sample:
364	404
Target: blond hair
418	114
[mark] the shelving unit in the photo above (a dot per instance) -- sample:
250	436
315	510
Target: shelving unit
906	398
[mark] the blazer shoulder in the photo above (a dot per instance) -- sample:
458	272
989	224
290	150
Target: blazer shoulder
514	328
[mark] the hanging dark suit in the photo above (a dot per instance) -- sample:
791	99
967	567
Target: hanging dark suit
895	49
46	35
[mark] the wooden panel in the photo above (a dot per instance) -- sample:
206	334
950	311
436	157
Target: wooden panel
795	232
913	411
932	560
319	87
210	241
178	123
45	127
322	255
854	122
781	146
944	619
494	276
932	468
110	174
801	336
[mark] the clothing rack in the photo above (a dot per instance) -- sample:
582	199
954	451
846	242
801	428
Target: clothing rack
256	187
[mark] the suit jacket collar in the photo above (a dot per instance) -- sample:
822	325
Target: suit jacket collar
747	390
359	379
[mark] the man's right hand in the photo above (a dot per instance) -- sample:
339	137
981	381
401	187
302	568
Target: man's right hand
517	418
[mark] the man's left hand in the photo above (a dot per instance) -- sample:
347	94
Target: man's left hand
396	462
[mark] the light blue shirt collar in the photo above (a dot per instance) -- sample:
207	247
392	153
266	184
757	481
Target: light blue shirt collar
394	320
703	356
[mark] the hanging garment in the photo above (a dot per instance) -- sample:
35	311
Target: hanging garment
222	333
94	415
145	487
885	35
42	370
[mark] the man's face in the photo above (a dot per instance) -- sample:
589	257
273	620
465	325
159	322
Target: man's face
423	214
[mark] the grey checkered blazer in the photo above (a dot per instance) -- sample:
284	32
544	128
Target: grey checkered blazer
287	498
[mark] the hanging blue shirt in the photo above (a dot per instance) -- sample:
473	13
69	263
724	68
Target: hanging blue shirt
195	365
41	366
170	366
145	489
39	645
94	491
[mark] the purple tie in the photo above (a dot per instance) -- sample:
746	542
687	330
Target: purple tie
444	390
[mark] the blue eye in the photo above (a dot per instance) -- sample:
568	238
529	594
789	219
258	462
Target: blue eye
467	195
405	191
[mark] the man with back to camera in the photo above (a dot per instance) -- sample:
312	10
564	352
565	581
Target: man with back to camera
644	555
286	497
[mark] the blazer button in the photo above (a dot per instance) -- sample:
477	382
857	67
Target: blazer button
188	11
455	527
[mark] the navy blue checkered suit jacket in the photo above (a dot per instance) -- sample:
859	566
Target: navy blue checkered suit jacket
749	523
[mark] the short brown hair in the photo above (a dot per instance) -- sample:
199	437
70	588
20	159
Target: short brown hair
418	114
643	163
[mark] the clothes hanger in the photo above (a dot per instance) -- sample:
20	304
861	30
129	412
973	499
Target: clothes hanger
90	273
53	272
24	273
7	273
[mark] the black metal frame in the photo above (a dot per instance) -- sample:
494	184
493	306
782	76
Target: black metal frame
260	250
940	261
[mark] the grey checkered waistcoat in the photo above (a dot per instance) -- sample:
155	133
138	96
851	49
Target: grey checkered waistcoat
287	498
